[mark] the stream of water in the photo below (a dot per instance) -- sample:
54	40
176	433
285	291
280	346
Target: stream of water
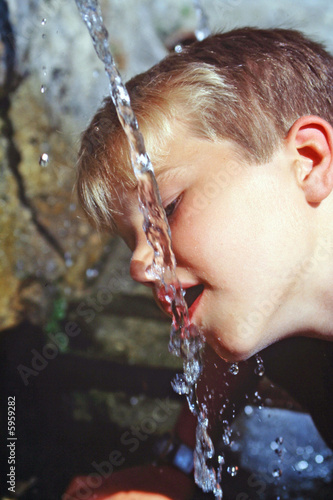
202	30
185	340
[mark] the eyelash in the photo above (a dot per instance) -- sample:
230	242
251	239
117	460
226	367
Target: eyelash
171	208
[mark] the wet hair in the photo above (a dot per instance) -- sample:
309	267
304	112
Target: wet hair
248	86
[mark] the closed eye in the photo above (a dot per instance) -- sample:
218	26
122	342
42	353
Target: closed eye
171	208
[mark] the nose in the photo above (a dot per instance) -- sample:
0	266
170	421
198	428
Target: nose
142	258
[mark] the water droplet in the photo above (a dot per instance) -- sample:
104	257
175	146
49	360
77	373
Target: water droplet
301	465
319	459
259	369
279	440
178	48
248	410
44	160
277	473
274	446
44	70
226	436
179	384
43	89
43	21
234	369
232	470
257	397
92	273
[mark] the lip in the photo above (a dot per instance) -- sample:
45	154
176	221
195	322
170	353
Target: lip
192	296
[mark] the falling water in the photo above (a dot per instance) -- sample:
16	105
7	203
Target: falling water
202	30
185	340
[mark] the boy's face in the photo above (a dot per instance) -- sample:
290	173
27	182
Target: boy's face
239	232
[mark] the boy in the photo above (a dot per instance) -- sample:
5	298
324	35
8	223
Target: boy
239	131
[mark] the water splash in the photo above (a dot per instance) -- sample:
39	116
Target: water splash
44	159
260	368
227	432
206	476
232	470
277	473
185	340
234	369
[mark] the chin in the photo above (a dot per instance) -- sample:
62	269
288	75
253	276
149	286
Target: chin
234	351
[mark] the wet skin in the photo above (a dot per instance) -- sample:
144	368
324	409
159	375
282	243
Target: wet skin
243	233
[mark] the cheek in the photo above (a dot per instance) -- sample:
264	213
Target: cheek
197	240
186	237
239	238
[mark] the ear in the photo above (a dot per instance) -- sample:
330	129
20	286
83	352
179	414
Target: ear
310	140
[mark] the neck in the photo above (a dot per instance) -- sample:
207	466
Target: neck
315	292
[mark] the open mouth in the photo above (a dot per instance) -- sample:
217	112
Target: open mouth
191	296
192	293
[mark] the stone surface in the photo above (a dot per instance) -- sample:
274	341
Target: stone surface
42	237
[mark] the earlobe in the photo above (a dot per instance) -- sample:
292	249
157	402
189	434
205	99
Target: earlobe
311	141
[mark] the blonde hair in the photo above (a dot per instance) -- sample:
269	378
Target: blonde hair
247	86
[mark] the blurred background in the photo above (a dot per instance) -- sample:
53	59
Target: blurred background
83	348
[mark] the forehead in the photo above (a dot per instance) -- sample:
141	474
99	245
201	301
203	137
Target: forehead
176	157
175	150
